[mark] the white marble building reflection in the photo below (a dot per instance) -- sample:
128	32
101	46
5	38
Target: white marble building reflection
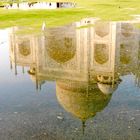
98	54
86	63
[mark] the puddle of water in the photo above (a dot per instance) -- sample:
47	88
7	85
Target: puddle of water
71	82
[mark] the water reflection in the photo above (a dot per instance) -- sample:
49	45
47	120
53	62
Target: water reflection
87	63
99	54
81	99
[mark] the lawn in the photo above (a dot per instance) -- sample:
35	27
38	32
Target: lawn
104	9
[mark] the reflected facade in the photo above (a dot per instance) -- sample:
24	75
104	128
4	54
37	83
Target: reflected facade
86	63
99	54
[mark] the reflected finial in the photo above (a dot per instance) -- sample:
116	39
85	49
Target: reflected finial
15	69
40	87
43	26
36	84
83	126
23	70
11	66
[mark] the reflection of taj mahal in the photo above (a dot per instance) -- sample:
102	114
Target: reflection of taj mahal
86	63
94	54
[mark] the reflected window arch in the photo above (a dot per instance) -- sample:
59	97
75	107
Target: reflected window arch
102	29
126	29
101	53
24	48
61	49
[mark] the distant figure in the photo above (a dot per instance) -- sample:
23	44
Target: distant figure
43	26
